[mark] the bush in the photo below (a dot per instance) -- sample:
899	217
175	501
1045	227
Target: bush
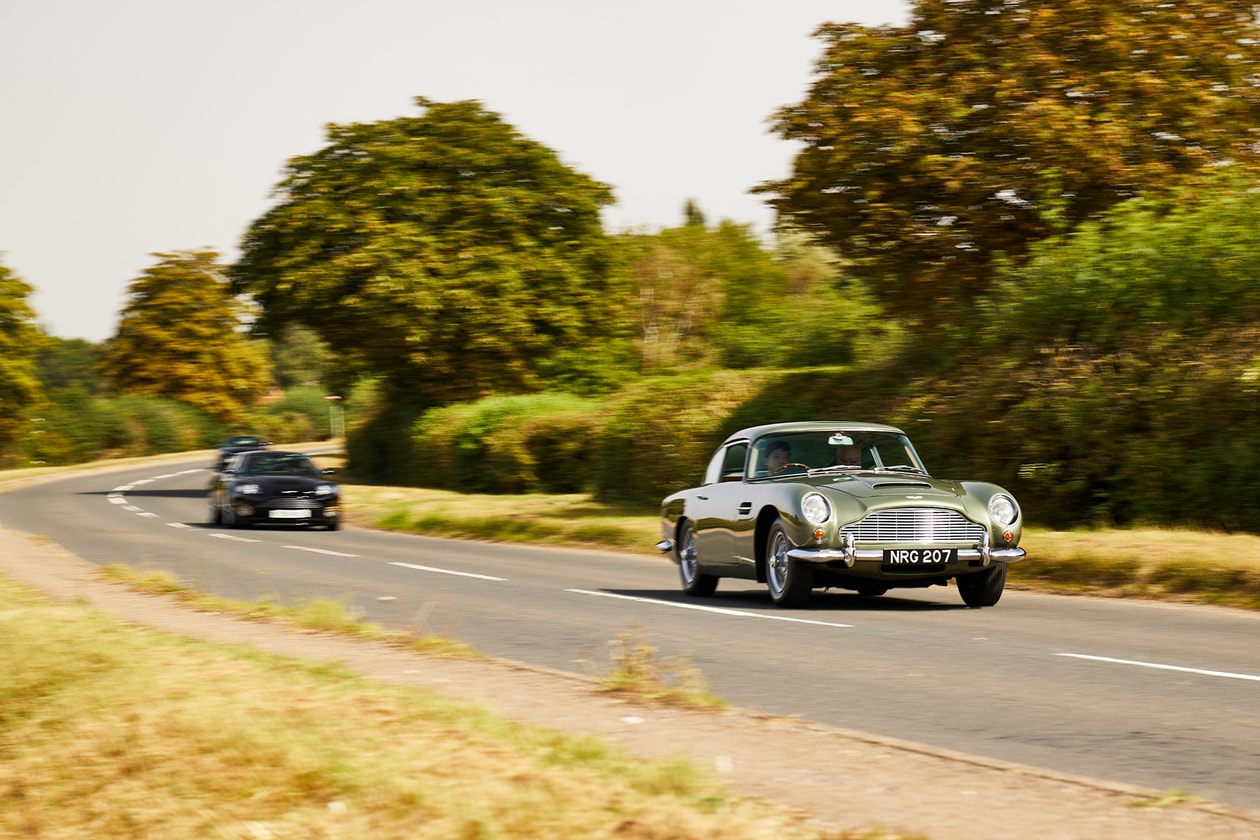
518	444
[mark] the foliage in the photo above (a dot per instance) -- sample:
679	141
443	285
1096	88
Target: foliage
983	126
656	436
299	414
445	253
62	363
298	357
19	341
179	337
514	444
1121	372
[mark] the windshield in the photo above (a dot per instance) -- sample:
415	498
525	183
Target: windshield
796	452
271	464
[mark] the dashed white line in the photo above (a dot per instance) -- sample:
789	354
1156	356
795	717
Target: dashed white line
234	537
446	571
320	551
1159	667
702	608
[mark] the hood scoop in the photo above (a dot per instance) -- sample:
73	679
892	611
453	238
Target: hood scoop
899	484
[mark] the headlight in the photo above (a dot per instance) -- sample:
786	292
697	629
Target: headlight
816	508
1003	509
248	489
325	490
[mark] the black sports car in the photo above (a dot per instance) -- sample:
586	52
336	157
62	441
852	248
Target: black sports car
273	487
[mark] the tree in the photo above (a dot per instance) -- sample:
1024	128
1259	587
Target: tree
68	363
182	336
19	340
445	253
985	125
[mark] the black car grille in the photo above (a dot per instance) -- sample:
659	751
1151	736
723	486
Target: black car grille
293	501
915	525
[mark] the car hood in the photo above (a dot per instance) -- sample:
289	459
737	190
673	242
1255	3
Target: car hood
871	487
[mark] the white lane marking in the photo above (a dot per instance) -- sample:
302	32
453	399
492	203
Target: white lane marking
1157	666
445	571
320	551
178	524
117	500
140	512
718	610
234	537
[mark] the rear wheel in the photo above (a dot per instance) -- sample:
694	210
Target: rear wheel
983	589
790	581
694	581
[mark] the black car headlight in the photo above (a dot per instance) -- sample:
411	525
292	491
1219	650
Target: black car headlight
815	508
1003	510
326	490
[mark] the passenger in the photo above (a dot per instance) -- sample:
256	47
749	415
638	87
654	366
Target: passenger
848	456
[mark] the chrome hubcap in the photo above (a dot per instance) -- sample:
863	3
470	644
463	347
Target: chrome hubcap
777	563
687	558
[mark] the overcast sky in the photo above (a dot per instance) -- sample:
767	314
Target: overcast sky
131	127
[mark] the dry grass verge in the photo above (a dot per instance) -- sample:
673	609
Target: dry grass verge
111	731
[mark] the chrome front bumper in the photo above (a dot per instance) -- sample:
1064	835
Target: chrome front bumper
850	554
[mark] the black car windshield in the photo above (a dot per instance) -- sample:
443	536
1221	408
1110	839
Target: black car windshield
275	464
796	452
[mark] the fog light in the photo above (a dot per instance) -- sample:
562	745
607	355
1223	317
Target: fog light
244	511
331	513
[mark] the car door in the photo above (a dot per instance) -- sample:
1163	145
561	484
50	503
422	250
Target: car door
716	510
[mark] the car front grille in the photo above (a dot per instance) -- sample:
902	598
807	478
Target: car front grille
915	525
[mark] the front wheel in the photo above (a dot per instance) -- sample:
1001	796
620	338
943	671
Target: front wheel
983	589
790	581
694	581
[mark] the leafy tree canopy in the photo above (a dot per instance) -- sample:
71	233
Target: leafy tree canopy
181	336
444	252
19	339
984	125
63	363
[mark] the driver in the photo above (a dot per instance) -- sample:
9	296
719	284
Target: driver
778	456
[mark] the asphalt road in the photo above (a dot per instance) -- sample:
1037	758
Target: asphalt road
1162	696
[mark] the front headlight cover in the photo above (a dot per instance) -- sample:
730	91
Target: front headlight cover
325	490
1003	510
815	508
249	489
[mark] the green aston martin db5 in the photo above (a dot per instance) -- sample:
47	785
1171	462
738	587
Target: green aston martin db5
799	506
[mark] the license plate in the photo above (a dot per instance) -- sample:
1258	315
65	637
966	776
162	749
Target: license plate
290	514
917	559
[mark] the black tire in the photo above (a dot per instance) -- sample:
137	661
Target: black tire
983	589
694	581
216	515
334	525
790	581
229	518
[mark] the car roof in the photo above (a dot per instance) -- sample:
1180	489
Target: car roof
754	432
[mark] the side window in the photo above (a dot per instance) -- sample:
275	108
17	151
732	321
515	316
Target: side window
733	465
727	464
